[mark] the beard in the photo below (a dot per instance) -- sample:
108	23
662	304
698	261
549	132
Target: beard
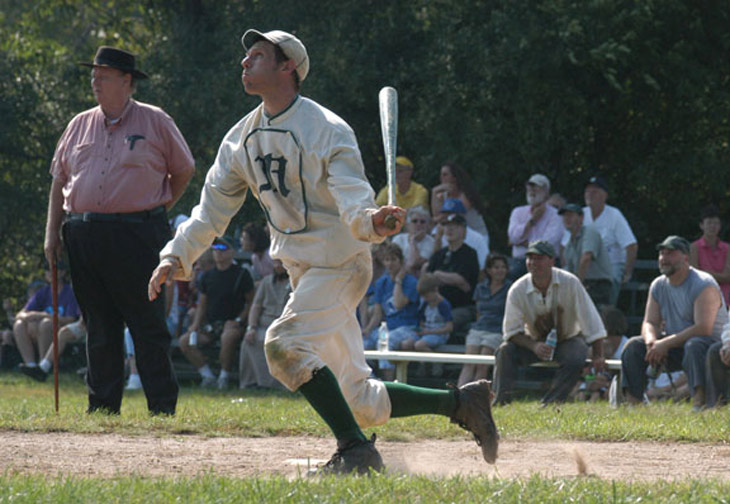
668	269
535	199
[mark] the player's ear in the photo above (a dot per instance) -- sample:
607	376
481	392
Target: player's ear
289	66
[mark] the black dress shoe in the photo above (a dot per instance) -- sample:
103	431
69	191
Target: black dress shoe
34	372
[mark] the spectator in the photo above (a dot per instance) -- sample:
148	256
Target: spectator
535	221
226	292
585	255
479	242
396	298
485	334
456	183
255	239
417	243
718	363
434	318
685	314
117	169
33	327
271	296
615	232
457	268
7	346
547	298
408	194
710	253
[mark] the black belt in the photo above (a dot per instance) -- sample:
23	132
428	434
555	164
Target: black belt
137	217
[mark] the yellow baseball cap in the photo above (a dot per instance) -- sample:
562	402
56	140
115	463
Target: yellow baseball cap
404	161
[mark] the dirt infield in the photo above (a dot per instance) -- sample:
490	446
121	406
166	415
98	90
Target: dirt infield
109	455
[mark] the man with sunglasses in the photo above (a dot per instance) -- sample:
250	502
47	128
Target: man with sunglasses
226	293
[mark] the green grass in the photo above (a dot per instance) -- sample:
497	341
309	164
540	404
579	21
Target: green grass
377	489
28	406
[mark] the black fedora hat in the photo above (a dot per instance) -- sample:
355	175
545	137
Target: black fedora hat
116	58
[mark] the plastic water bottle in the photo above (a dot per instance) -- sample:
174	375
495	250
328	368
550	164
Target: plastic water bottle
552	342
383	337
193	339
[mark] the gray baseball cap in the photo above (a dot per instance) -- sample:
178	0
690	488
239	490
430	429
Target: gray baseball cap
674	242
539	180
541	247
291	46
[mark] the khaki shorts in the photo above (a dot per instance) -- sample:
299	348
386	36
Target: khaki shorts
484	338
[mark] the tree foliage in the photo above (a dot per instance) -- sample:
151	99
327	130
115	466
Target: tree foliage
635	90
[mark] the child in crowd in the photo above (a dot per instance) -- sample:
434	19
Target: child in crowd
434	318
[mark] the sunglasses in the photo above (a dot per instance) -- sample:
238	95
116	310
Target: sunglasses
220	246
418	221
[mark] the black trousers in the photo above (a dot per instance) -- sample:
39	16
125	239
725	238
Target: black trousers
111	263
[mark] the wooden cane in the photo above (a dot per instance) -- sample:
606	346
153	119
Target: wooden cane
54	289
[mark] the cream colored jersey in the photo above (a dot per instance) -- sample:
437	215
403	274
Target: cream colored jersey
304	167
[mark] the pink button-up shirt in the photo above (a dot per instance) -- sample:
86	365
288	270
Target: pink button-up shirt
713	260
124	167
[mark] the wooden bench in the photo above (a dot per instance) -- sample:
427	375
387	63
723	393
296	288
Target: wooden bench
401	360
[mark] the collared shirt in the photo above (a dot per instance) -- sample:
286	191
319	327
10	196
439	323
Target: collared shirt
416	195
122	167
588	240
303	165
566	306
549	227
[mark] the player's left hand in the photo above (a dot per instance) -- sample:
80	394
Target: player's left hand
163	274
379	220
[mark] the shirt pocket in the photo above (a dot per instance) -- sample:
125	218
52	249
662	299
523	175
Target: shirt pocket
82	157
139	152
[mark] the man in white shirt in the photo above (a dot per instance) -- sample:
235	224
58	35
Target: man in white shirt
615	232
547	298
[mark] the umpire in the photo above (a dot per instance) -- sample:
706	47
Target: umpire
117	169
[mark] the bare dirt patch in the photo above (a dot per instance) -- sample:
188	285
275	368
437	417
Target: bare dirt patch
109	455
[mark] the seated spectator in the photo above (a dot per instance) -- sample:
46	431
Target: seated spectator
710	253
544	299
456	183
479	242
271	296
226	292
485	334
255	240
457	268
535	221
434	318
408	194
718	362
685	314
7	345
366	308
33	327
396	302
417	243
586	256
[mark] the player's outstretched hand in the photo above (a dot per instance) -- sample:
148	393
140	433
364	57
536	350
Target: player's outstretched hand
386	226
164	273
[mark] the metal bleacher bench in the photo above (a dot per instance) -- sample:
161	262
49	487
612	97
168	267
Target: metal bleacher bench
401	360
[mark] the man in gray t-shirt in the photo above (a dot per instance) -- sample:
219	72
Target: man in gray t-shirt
586	256
688	305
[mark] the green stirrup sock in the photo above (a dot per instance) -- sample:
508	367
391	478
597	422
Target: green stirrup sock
407	400
324	394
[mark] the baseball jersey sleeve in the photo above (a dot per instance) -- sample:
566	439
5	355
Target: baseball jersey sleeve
350	189
222	196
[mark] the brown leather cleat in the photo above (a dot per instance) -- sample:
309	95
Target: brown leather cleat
473	412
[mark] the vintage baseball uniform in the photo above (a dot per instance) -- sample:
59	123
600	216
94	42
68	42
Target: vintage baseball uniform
304	167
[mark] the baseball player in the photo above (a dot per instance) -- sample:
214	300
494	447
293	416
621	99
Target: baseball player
302	163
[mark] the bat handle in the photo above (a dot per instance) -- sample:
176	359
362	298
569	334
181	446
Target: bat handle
390	221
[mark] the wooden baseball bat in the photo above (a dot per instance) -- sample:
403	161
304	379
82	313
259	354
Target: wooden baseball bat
388	102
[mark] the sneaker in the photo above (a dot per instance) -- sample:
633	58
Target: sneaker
134	383
222	383
208	382
354	456
33	371
473	413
